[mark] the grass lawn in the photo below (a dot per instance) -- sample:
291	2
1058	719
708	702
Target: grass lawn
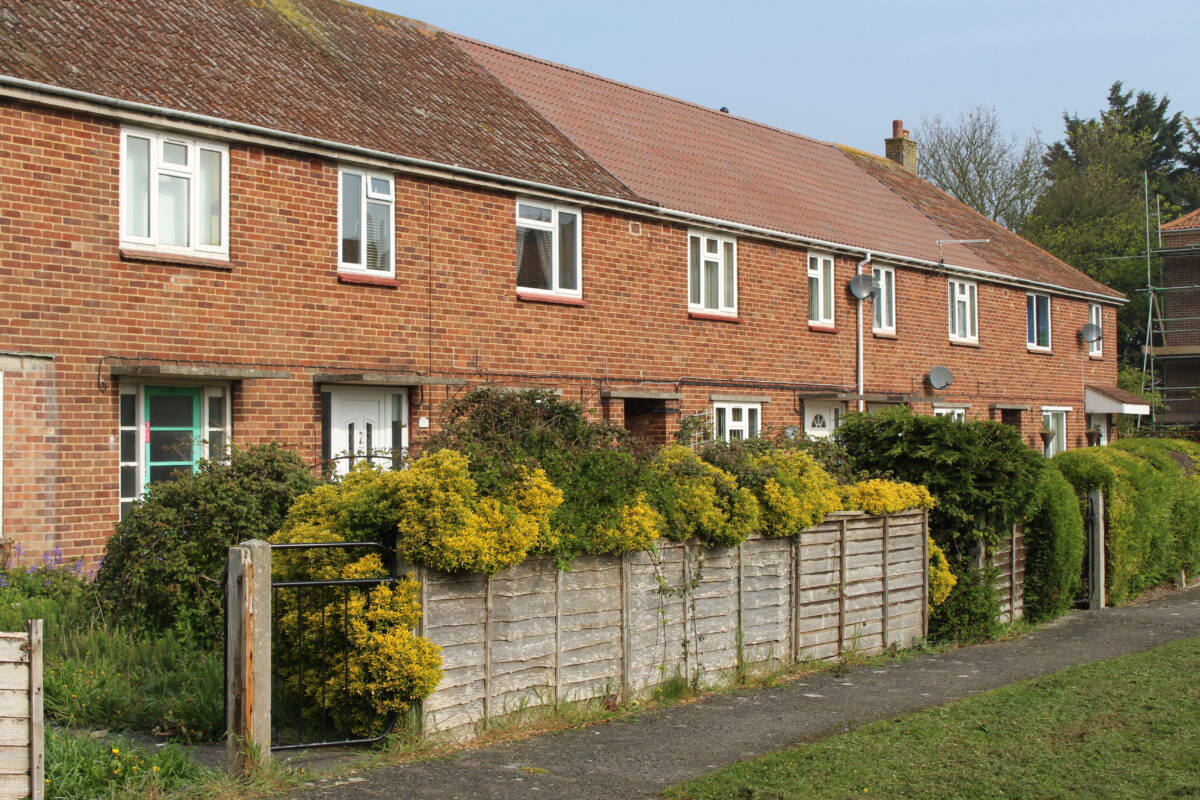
1127	728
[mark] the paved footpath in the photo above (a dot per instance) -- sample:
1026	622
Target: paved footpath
642	757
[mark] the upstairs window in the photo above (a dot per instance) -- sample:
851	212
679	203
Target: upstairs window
366	212
885	301
174	194
964	322
1096	317
820	290
712	274
1037	321
549	243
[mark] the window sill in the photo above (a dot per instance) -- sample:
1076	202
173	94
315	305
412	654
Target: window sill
175	259
813	326
884	335
368	280
534	296
714	317
1040	351
1095	357
960	343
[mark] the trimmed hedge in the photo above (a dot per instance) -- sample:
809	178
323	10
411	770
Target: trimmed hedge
1054	545
1152	503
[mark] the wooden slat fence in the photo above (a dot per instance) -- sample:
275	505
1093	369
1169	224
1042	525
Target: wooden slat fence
533	635
22	766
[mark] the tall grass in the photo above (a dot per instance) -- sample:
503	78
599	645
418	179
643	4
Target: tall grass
86	768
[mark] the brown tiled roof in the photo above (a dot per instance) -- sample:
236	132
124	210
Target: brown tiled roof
323	68
1191	220
1118	394
701	161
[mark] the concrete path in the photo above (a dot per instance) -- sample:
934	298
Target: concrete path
642	757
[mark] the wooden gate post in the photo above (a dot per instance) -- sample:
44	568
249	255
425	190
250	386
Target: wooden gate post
248	659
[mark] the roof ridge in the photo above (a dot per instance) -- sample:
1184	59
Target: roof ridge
638	89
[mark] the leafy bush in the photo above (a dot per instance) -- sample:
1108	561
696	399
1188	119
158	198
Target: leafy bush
1054	545
83	768
1152	507
601	471
162	569
880	497
971	612
700	501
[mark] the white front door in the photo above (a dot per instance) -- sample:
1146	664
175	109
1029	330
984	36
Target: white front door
362	426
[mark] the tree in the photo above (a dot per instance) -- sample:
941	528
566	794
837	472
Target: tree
996	174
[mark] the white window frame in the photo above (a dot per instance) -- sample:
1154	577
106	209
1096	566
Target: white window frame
1033	317
883	319
725	257
395	402
832	414
368	195
821	277
750	412
963	311
1096	317
957	413
1059	443
140	430
555	230
191	171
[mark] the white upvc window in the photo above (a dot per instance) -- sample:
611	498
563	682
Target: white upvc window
366	218
166	429
736	420
822	419
964	320
1037	321
820	289
549	247
174	194
1096	317
1054	419
712	273
885	301
956	413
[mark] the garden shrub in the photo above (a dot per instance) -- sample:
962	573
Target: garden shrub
162	568
700	501
941	578
434	513
600	469
882	497
1054	546
971	611
1152	509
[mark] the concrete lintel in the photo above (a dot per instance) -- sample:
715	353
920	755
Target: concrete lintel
739	398
1011	407
639	394
198	370
385	379
24	362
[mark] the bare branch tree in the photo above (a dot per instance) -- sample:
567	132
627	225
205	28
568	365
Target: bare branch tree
999	175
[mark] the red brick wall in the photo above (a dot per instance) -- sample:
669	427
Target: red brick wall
66	291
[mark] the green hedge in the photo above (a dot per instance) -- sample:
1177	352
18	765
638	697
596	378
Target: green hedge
1152	503
1054	545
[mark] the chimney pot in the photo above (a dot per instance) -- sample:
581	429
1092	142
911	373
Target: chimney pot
897	128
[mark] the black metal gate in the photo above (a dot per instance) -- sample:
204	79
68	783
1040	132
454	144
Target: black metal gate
312	657
1083	596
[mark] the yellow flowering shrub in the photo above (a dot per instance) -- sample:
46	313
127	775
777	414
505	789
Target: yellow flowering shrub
799	494
880	497
638	528
941	580
698	500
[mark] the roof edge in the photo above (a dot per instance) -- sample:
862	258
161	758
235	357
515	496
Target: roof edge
41	90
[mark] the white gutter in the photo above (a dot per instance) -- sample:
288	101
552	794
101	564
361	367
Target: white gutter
37	88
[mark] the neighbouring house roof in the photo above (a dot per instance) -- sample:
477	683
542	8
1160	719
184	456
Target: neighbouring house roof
710	163
321	68
1113	400
344	73
1191	220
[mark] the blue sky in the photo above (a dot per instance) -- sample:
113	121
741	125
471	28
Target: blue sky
841	71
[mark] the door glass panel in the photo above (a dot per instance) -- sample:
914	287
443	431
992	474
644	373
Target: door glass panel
216	412
165	472
170	445
128	410
128	481
129	445
172	411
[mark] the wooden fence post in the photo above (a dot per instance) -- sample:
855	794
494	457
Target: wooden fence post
248	660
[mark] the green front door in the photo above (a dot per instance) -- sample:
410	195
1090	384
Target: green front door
173	431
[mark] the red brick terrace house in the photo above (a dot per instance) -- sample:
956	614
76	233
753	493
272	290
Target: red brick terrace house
1177	354
244	220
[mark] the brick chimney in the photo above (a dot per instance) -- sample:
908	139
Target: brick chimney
900	148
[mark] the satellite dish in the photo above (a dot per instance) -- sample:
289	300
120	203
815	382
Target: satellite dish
1091	333
940	377
864	286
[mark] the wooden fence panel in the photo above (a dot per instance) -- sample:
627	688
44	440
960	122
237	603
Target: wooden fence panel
22	736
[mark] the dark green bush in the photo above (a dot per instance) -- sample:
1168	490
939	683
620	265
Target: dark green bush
1152	509
162	569
972	611
1054	546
